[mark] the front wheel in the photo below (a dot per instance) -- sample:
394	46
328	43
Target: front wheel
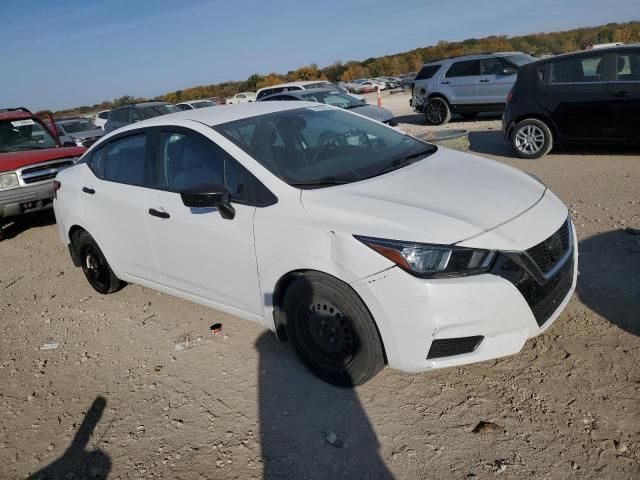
437	111
531	138
331	330
94	265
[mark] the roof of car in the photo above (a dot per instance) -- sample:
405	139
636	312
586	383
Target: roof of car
296	84
308	91
220	114
473	56
592	51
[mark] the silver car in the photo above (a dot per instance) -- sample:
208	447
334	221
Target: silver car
466	85
78	132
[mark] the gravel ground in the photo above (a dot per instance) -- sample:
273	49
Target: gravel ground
138	387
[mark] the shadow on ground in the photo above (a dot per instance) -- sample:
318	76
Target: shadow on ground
17	225
609	281
76	461
490	142
299	416
418	118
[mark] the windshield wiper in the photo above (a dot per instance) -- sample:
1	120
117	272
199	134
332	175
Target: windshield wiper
403	161
322	182
354	105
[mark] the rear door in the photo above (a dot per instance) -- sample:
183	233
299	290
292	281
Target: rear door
624	94
460	83
578	98
494	84
198	252
113	192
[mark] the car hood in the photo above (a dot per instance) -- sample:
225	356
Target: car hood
376	113
13	160
445	198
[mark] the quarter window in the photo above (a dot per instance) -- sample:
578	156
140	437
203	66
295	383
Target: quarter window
427	72
578	70
468	68
125	160
96	162
189	161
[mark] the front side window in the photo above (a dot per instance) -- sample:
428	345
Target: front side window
203	104
309	146
578	70
519	59
491	66
468	68
135	115
125	160
628	67
25	134
187	161
120	115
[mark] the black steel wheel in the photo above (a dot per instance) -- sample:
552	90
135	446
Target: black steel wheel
94	264
331	330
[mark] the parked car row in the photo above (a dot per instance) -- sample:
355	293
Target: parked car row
591	96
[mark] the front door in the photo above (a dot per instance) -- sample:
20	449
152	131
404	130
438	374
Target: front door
460	83
624	94
198	252
494	84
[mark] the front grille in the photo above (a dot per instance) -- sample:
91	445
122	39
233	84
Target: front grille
548	253
542	298
44	172
448	347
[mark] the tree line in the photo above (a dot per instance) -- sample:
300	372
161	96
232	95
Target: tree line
537	44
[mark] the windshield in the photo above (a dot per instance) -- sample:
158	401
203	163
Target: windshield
26	134
317	146
157	110
335	99
76	126
203	104
519	59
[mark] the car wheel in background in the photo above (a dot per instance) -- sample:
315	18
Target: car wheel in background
331	330
531	138
94	265
437	111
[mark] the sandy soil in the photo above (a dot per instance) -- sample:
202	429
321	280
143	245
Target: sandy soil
138	387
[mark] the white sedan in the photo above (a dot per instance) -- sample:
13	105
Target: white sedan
358	243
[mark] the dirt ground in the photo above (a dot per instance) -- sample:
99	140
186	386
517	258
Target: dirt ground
138	387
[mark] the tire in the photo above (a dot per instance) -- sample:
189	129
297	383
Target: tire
95	266
531	138
437	111
331	330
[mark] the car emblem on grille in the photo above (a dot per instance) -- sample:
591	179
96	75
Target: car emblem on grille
554	247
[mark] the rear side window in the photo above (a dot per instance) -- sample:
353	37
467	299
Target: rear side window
125	160
578	70
628	67
120	115
468	68
427	72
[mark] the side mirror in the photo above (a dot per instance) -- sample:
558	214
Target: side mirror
509	71
210	196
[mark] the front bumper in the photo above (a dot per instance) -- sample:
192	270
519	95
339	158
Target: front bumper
26	199
411	313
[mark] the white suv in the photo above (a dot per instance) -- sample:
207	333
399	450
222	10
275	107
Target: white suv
356	242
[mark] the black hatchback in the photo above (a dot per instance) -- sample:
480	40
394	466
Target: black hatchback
591	96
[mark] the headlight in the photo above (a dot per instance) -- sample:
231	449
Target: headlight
8	180
77	141
432	261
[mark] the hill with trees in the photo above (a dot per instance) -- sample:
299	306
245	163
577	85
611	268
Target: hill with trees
537	44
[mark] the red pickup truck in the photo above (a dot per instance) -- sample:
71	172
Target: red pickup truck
30	158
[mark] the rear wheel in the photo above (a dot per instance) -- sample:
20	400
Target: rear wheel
437	111
94	265
331	330
531	138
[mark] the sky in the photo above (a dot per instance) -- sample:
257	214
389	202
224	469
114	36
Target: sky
66	53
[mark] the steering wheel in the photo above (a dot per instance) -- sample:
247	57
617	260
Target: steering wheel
327	142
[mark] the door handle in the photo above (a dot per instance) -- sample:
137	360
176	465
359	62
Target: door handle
484	80
157	213
445	82
88	190
621	93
